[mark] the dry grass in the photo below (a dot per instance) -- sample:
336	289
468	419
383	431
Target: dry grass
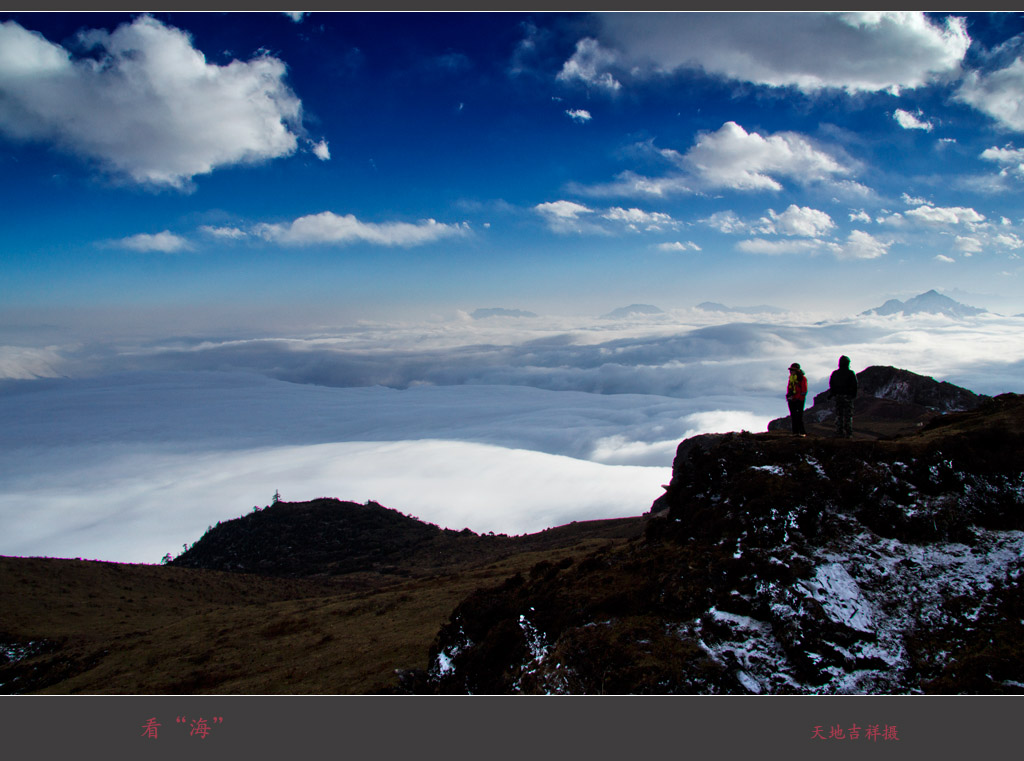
140	629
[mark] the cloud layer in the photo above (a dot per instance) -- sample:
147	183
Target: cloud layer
147	444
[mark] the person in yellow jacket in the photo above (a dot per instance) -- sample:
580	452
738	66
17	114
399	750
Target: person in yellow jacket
796	394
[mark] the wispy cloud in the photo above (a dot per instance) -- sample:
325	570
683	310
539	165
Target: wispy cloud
679	246
328	228
224	233
637	219
164	242
572	217
776	247
589	65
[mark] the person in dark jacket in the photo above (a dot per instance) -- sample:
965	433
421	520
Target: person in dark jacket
842	389
796	393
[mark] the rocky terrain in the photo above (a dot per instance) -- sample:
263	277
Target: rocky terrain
889	401
781	565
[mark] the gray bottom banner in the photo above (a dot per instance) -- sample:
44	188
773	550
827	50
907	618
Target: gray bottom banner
195	727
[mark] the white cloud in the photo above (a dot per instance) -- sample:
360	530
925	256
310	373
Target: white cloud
629	184
562	209
587	65
910	200
1009	240
731	158
727	222
679	246
637	218
329	228
951	215
858	245
802	221
776	247
565	217
164	242
856	52
908	120
862	245
944	259
1011	159
968	245
735	159
321	151
795	221
568	217
224	233
150	108
1000	94
579	115
860	216
295	16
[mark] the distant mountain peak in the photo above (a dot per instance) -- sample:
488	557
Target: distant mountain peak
714	306
631	310
929	302
482	314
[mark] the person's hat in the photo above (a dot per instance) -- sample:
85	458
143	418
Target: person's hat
794	366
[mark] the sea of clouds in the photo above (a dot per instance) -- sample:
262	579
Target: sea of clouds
125	449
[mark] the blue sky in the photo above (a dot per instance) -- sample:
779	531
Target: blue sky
243	253
357	165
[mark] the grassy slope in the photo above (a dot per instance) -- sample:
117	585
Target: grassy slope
140	629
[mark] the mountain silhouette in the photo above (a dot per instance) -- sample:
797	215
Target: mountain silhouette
483	314
713	306
930	302
632	311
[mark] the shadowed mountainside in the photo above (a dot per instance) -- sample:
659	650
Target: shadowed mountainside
322	597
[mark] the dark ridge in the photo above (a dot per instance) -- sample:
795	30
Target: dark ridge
331	537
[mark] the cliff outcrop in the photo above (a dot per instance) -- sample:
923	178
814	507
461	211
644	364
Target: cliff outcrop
889	401
781	565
